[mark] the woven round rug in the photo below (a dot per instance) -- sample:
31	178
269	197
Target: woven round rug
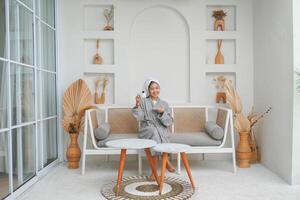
139	187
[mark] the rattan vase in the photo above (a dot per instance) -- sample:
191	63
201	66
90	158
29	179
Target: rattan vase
73	152
244	153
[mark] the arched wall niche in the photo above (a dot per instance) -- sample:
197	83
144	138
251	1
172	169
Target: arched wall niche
160	48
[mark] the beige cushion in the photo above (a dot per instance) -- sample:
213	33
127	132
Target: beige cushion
116	136
221	118
122	121
189	120
194	139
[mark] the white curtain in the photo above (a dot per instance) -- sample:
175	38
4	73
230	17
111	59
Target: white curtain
3	92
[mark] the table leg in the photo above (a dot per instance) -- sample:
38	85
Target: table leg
120	172
152	164
187	167
163	170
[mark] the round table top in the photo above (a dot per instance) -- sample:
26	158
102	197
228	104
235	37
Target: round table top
171	148
131	143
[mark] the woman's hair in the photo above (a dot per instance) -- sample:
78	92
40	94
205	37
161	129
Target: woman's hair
151	84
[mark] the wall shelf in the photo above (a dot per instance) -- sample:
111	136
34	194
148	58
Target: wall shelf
212	68
106	51
94	17
220	34
210	83
228	49
93	68
99	34
90	78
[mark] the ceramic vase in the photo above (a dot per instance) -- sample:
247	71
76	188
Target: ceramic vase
244	153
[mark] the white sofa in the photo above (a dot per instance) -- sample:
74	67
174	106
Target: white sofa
188	128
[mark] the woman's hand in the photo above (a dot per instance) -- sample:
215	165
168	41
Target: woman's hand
160	110
137	100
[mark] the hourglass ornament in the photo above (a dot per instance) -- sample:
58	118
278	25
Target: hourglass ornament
108	14
219	59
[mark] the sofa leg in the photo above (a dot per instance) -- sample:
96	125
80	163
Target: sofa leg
140	163
178	163
234	162
83	165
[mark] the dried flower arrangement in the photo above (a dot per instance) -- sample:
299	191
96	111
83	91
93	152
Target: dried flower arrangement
101	99
219	20
108	14
77	99
244	125
219	14
219	82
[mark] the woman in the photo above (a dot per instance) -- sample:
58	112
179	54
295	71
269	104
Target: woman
154	116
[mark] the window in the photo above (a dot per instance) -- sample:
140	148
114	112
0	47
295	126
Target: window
28	96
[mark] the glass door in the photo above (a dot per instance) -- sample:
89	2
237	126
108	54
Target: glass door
28	95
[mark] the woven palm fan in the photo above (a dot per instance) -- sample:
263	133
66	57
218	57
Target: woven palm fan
77	98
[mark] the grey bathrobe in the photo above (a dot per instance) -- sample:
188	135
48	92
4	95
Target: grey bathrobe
153	125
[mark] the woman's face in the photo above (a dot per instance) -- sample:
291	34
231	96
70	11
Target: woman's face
154	90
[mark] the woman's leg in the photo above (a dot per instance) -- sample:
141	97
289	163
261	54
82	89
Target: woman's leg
170	167
155	160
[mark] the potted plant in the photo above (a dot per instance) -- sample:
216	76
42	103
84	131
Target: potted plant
297	81
77	99
244	125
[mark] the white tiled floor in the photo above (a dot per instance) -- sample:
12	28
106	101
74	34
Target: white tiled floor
214	180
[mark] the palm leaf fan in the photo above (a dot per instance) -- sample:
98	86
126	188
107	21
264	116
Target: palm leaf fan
77	98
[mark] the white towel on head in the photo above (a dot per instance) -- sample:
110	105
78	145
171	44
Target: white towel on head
147	83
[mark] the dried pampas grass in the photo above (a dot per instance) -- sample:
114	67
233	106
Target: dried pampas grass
233	97
242	123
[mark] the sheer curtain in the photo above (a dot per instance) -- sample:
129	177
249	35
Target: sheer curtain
22	92
3	92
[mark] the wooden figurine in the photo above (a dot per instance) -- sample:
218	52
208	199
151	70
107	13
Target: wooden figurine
219	59
101	99
219	20
97	58
108	14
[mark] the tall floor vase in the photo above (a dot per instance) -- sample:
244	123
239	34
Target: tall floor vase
73	152
244	153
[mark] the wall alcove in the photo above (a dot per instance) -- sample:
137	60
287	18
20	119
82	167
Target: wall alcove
160	48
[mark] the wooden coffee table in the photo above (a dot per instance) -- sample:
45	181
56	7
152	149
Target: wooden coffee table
173	148
136	144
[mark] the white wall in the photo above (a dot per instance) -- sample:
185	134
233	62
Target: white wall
273	82
164	39
296	132
185	24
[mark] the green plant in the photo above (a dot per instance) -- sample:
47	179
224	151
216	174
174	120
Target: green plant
297	81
